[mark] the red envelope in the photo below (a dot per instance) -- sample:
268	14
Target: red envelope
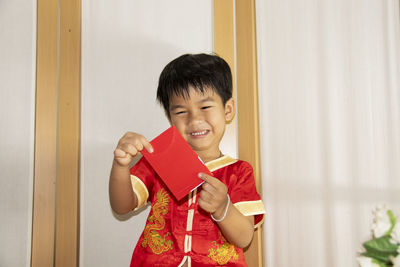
175	162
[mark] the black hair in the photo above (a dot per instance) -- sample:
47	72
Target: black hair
201	71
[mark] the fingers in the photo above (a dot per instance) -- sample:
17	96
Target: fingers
129	146
121	157
213	185
207	201
206	206
140	142
206	196
132	143
207	187
119	153
130	149
212	197
210	180
212	203
148	146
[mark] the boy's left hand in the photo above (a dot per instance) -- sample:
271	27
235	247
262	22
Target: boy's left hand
213	197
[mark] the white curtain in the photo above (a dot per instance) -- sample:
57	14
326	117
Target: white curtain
17	129
329	90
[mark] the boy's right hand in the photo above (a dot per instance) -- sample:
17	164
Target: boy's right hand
129	146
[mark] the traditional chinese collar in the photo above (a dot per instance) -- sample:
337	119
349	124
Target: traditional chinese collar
220	163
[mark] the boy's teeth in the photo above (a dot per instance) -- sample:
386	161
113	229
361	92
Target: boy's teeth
200	133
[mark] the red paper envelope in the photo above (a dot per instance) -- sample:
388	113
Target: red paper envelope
175	162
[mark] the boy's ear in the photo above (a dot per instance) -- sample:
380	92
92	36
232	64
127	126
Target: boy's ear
230	110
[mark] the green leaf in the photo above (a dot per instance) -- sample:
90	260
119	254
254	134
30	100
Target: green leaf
379	263
384	259
393	220
380	249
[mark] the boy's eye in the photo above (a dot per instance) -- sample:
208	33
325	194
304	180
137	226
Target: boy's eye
180	112
205	107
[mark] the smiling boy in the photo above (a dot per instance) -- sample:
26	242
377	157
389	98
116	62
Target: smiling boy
213	223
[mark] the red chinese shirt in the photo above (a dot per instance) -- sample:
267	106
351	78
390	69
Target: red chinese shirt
180	232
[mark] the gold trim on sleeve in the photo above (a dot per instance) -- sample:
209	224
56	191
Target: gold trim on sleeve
259	223
248	208
140	190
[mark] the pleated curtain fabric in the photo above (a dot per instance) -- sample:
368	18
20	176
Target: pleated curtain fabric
329	97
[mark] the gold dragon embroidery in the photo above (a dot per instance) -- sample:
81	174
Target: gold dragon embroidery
156	222
222	253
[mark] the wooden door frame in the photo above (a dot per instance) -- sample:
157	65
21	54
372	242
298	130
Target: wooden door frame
235	27
45	163
55	220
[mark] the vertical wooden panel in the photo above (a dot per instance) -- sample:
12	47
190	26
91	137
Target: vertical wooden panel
45	135
247	101
224	36
55	227
67	226
246	75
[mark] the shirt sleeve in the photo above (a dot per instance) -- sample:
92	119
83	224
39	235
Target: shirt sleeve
244	194
142	180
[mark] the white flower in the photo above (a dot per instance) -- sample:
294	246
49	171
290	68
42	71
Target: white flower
366	262
396	261
395	235
381	224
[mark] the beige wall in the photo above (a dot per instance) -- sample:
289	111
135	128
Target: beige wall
124	48
17	100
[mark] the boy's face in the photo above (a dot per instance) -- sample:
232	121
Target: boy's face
201	120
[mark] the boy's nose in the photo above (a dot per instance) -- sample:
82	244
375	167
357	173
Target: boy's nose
195	118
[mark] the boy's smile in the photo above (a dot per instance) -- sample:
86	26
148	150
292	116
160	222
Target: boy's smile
201	119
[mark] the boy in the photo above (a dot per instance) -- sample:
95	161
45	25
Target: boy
213	223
